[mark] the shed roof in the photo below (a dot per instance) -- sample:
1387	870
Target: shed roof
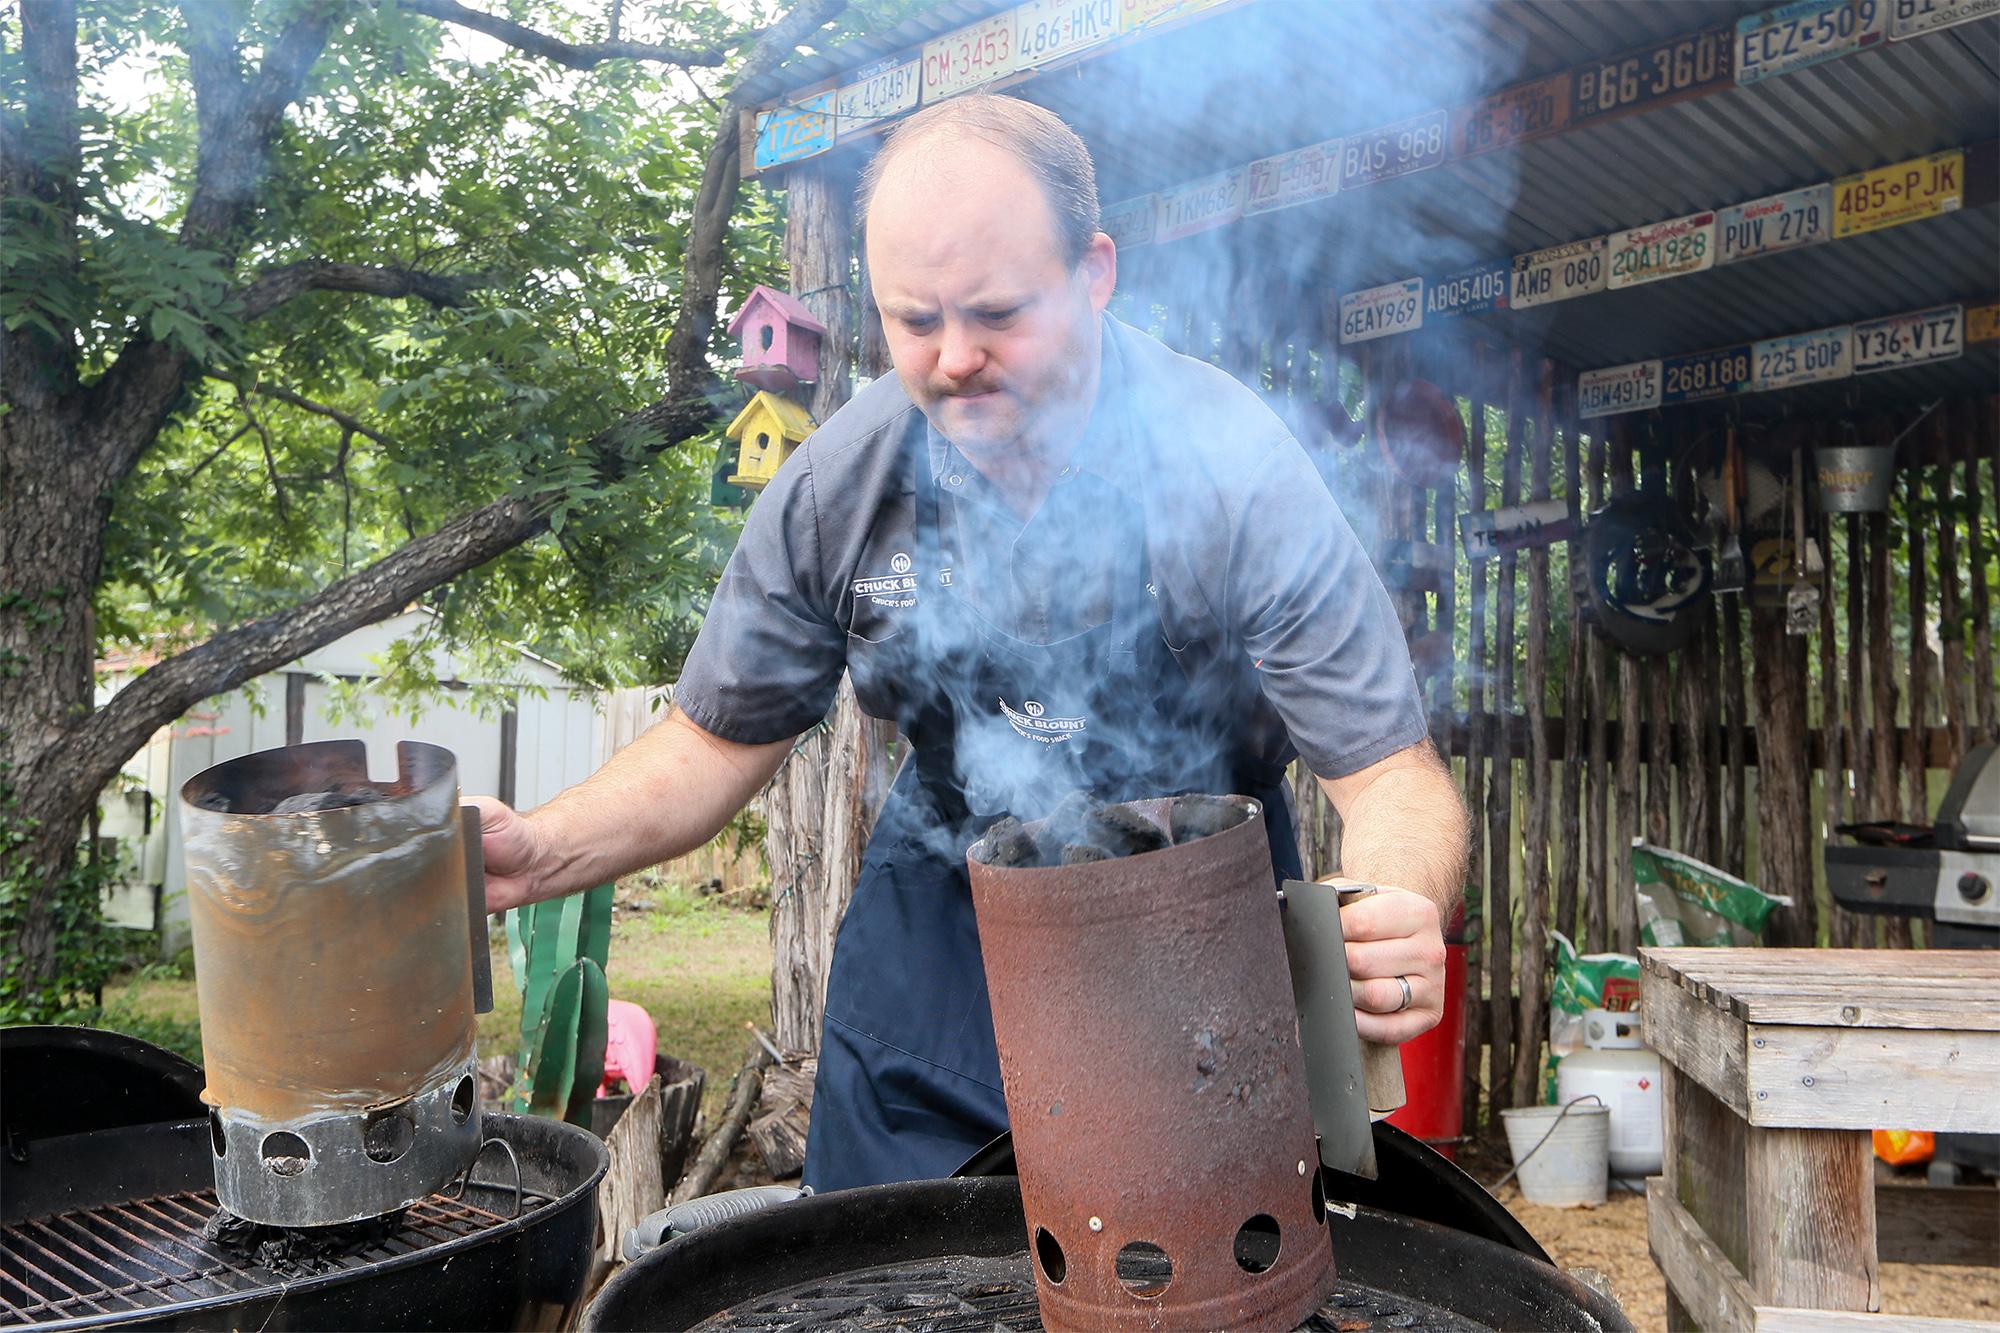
1261	77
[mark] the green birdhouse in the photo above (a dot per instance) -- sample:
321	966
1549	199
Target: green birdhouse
766	432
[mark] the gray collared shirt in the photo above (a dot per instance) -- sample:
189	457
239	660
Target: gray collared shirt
1254	568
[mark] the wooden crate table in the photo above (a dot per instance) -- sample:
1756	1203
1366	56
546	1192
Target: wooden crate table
1775	1065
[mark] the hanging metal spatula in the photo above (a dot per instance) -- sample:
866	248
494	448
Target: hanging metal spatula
1732	571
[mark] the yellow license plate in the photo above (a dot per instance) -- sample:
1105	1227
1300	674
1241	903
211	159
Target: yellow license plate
1889	196
1982	324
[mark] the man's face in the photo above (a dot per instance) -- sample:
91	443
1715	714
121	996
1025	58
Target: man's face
994	334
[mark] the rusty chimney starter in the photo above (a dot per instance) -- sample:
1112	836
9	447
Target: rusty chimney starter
1149	1050
335	980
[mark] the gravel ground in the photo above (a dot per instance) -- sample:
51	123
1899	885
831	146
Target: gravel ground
1612	1240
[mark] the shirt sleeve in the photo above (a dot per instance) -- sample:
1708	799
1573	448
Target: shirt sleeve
769	656
1317	622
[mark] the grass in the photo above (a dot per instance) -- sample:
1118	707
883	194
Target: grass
701	966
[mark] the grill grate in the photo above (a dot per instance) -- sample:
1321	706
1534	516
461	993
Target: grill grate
961	1294
149	1253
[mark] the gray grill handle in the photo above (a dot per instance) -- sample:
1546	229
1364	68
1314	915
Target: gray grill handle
658	1228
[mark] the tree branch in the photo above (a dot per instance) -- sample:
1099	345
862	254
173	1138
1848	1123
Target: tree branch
346	421
275	287
569	54
41	161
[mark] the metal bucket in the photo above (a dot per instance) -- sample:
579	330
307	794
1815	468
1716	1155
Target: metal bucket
1149	1051
1855	478
334	968
1561	1153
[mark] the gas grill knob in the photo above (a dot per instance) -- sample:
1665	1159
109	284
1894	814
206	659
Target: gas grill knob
1972	886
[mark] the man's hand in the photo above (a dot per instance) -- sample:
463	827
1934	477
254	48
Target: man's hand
511	851
1390	934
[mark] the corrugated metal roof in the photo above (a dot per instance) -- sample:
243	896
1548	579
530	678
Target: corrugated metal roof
1270	75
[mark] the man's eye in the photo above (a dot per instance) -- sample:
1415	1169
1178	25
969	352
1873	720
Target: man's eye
920	323
999	316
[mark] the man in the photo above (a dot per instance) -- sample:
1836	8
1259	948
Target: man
1060	557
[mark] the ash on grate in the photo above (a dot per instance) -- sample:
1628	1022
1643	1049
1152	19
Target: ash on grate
339	796
297	1251
1081	830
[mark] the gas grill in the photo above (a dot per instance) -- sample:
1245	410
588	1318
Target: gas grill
1947	873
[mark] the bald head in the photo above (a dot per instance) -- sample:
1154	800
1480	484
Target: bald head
1050	152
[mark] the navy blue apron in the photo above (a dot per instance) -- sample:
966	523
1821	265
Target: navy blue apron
909	1080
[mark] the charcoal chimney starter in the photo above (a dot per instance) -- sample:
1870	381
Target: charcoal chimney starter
1150	1056
333	963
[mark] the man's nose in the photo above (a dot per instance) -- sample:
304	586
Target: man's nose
960	355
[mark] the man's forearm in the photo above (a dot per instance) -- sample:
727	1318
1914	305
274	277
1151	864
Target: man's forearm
660	797
1404	824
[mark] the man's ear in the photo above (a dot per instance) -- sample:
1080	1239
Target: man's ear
1100	270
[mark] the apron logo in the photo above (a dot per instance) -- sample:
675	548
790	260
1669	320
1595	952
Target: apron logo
944	577
1028	720
898	588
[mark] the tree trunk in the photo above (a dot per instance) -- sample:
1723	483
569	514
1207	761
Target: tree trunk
1784	774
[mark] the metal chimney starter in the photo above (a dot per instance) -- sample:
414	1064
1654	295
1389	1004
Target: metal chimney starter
1150	1055
336	977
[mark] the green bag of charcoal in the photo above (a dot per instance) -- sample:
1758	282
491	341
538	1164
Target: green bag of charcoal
1682	901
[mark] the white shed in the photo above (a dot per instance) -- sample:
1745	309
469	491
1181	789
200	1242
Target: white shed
550	738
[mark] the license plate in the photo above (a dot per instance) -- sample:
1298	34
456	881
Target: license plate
1046	30
1558	273
1472	291
1210	202
1773	223
788	133
1982	324
1513	116
1803	358
1908	340
1130	223
1652	76
1804	33
1662	250
1914	18
1394	307
1416	144
1615	389
1903	192
878	92
1711	374
1294	178
975	54
1136	14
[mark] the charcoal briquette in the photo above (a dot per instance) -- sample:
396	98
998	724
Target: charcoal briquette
1083	853
1008	845
1197	816
1123	831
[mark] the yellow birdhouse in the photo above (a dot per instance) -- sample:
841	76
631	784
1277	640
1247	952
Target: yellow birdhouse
766	431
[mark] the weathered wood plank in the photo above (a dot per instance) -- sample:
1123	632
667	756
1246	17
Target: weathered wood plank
1864	1078
1937	1224
1707	1045
1976	546
1864	966
1477	741
1916	790
1811	1218
1779	1319
1734	800
1951	617
1502	859
1698	1274
1785	850
1569	817
1600	872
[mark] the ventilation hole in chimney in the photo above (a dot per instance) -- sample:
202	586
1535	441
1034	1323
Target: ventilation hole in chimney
1144	1269
1050	1254
285	1153
1257	1244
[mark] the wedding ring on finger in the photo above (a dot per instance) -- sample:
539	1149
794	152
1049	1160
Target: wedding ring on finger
1404	982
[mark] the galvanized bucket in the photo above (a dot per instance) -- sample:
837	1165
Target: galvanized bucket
1855	478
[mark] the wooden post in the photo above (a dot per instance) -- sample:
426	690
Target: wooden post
1784	809
1735	758
1477	746
1694	725
1832	725
1500	811
1976	546
1624	907
1855	928
1951	617
1600	871
1916	792
1570	879
1532	1021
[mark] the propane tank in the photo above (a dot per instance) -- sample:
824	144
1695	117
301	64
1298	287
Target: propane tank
1615	1065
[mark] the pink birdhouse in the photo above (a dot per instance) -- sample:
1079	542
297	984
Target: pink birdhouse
780	341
